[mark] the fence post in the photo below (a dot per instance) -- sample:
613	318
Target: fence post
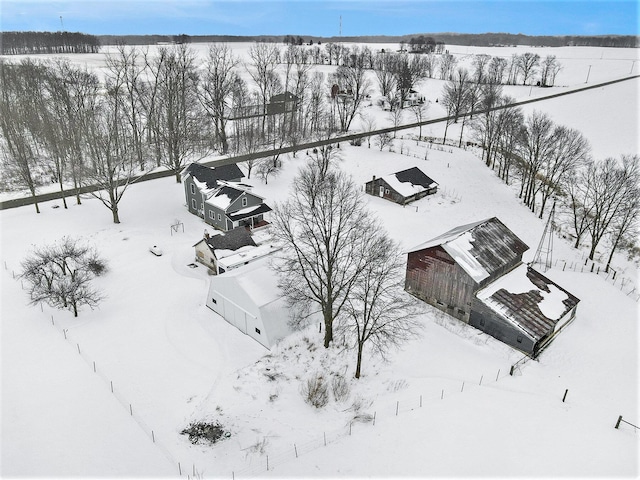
350	423
397	407
131	410
52	322
420	401
511	371
481	377
462	389
374	419
565	395
267	463
64	331
78	347
324	434
619	420
296	449
442	395
153	437
179	469
94	367
111	386
498	375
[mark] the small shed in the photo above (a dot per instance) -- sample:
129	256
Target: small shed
402	187
249	299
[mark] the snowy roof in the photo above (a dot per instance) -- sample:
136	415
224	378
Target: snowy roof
245	255
232	240
249	212
529	300
257	279
480	248
210	176
410	182
224	196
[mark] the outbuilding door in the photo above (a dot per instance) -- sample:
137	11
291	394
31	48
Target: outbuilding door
381	191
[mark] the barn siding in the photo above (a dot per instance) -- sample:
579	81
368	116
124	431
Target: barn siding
434	277
485	319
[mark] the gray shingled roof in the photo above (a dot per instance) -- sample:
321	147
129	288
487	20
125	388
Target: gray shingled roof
415	176
232	240
211	175
523	308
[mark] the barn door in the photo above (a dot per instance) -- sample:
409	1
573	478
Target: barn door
382	190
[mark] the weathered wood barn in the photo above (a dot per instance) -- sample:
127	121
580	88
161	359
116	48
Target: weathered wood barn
475	273
402	187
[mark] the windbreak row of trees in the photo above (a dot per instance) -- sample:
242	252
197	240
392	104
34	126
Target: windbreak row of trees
26	43
600	198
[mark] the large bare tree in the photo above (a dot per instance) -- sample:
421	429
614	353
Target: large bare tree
379	313
324	228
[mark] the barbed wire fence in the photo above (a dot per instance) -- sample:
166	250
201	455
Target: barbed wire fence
363	422
188	469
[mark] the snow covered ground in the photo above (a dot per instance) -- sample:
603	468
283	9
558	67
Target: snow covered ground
445	405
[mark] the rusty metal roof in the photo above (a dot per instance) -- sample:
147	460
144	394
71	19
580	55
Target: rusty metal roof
528	300
481	248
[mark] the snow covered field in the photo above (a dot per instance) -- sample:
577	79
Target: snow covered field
162	359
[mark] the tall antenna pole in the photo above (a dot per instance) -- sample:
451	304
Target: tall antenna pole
544	252
340	25
61	24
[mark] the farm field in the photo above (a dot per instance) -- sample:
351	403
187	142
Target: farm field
107	393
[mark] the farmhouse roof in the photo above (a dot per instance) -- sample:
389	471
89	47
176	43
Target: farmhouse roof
249	212
529	300
211	175
480	248
409	182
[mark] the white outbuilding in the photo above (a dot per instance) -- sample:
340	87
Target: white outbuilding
249	299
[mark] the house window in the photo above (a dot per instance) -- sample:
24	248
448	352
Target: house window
193	189
244	201
519	339
219	217
386	191
482	322
257	330
214	300
212	215
194	205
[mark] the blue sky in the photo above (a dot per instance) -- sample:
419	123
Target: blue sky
322	17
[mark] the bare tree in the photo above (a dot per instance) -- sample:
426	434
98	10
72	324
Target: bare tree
480	64
264	60
495	70
179	122
569	151
354	87
419	111
384	139
217	88
60	275
324	229
549	68
384	70
111	153
625	225
20	94
527	64
613	183
378	312
447	64
456	97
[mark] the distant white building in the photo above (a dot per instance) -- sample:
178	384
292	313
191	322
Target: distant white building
249	299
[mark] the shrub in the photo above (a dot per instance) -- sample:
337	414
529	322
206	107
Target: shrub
315	391
340	388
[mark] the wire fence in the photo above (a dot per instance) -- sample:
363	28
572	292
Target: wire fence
627	285
362	423
188	469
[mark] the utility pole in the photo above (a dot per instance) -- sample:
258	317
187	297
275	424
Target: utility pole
588	72
61	23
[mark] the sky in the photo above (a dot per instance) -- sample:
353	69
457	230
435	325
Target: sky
322	17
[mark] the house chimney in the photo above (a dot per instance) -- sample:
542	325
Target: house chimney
374	177
206	233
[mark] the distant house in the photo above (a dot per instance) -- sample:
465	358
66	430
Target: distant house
413	99
216	195
402	187
285	102
249	299
475	273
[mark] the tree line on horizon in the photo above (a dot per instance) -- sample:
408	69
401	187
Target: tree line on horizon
25	43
